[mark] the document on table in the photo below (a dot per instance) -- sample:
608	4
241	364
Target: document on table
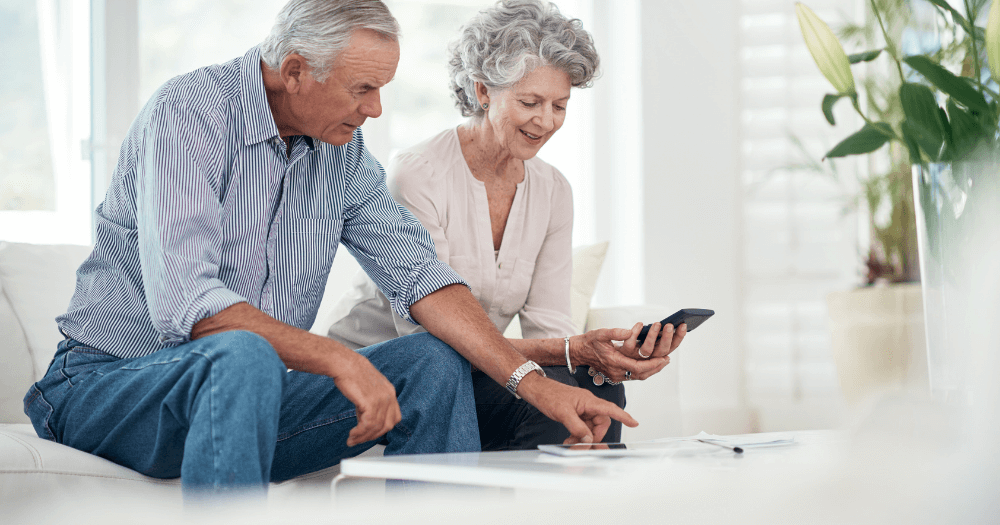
769	439
670	446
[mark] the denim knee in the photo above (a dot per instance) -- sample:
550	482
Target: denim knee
439	360
245	357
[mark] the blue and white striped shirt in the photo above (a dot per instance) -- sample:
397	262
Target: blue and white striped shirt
206	210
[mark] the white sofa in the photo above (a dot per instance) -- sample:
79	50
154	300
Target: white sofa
36	282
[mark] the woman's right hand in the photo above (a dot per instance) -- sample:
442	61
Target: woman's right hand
599	349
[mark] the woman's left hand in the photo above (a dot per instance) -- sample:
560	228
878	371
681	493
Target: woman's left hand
653	345
598	349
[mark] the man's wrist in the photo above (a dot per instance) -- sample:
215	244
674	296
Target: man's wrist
530	386
526	369
337	358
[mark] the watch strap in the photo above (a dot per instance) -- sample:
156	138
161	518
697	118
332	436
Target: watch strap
518	375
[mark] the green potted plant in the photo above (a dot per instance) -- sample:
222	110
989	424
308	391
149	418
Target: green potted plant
947	130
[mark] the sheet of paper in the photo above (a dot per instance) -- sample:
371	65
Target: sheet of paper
769	439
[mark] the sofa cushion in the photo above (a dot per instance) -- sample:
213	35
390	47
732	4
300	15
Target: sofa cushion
17	372
587	262
30	466
39	281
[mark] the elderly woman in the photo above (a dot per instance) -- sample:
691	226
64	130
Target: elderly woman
503	218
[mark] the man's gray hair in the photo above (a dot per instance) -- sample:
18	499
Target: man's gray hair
320	29
505	42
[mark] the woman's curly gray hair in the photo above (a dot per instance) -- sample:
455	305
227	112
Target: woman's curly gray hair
505	42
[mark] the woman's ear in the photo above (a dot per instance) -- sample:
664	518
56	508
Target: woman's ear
482	94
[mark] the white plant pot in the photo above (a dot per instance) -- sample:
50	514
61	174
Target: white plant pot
878	340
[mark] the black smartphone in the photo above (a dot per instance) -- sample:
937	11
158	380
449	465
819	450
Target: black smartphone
692	316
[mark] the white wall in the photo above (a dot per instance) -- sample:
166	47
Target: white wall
692	206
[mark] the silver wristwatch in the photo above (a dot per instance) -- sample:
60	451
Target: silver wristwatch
518	375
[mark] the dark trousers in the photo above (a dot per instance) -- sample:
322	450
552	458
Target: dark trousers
508	423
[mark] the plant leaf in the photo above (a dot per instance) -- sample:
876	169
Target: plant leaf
866	140
928	141
828	102
957	87
867	56
911	145
922	118
966	131
944	5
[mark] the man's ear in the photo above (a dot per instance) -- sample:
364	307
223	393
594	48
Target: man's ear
293	72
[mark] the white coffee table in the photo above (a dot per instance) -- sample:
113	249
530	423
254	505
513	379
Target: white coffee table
534	470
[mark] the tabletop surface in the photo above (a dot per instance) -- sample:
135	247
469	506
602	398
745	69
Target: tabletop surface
534	469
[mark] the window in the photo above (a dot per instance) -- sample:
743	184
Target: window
44	165
799	244
181	36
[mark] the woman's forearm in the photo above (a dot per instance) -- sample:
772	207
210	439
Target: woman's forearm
547	352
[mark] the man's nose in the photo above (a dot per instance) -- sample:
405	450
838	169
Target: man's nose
371	106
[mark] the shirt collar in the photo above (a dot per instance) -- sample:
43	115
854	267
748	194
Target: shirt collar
258	122
257	117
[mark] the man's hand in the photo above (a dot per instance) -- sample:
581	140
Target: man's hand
585	416
454	316
373	396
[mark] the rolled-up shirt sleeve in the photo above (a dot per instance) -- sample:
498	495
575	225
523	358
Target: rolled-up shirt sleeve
179	220
389	243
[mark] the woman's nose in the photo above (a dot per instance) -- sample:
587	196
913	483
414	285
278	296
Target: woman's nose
546	119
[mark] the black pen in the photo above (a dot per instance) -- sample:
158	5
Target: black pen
737	450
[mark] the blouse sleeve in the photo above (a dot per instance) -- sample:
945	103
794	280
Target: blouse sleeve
546	312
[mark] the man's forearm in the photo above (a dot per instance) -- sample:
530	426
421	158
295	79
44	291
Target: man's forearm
297	348
453	315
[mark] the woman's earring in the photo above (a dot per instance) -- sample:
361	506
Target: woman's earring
486	105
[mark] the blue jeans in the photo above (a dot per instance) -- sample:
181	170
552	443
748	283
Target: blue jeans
223	412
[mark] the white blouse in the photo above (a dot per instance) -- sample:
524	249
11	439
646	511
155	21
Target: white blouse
529	276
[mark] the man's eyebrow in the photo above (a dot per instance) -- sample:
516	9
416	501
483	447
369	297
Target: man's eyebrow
368	86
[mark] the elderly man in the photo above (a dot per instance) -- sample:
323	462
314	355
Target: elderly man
187	351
